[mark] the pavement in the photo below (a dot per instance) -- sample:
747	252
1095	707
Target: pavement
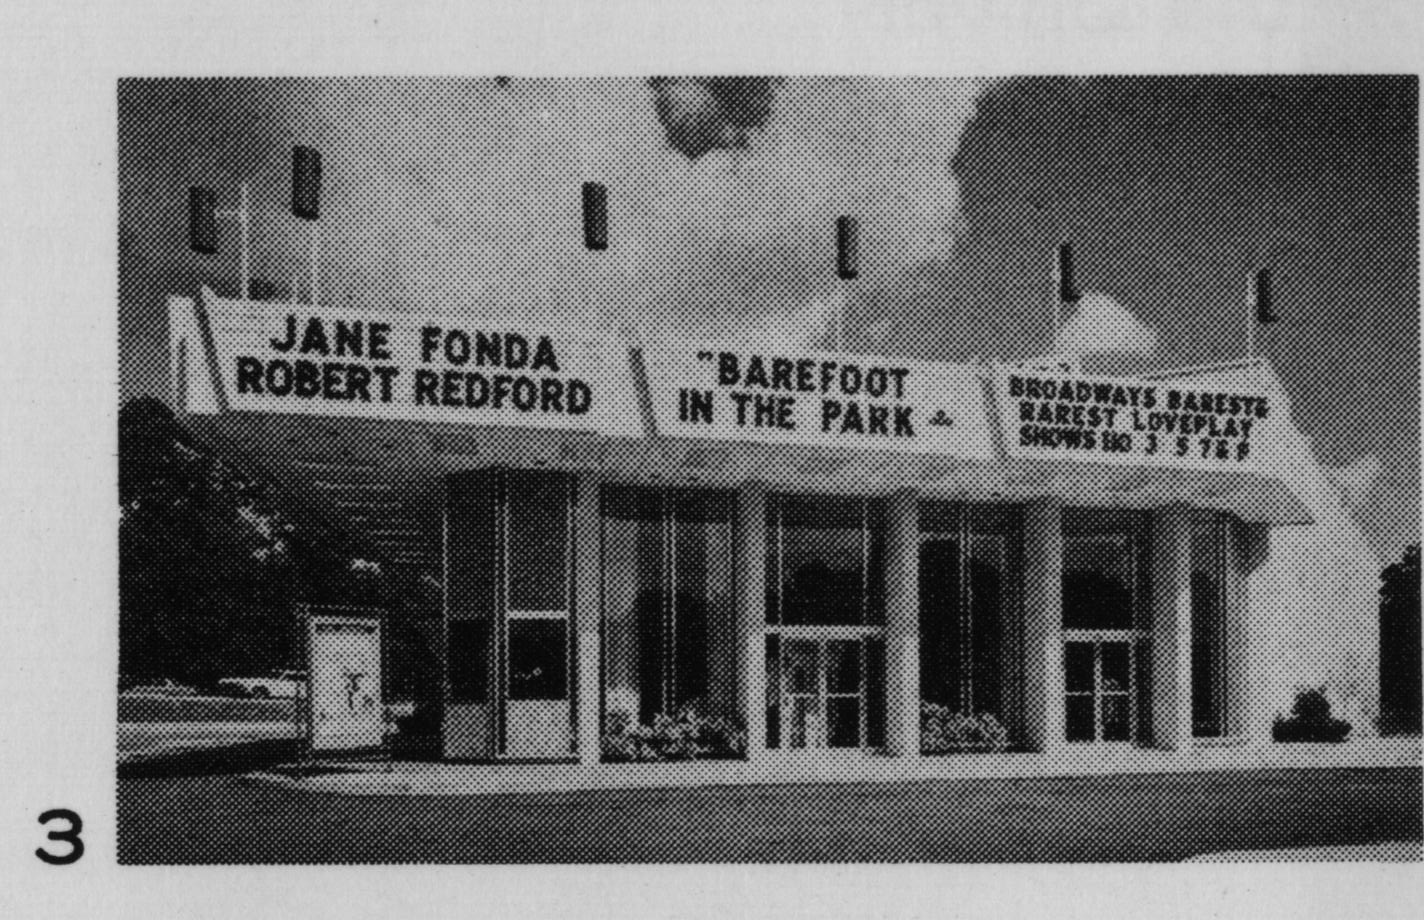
388	778
1270	814
140	741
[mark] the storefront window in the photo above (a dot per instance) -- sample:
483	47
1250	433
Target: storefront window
538	660
669	632
823	550
1209	646
538	543
967	643
508	599
469	655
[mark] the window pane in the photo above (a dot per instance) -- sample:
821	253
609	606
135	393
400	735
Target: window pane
802	667
773	691
843	667
1079	719
1117	722
1078	667
940	626
632	603
469	656
808	726
843	722
822	579
538	660
986	565
1116	667
538	541
703	619
1097	583
1208	626
473	587
874	690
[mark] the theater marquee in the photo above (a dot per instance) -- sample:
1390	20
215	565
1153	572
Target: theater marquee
821	399
1140	422
458	367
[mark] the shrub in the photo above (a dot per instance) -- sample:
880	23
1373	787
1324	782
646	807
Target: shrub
943	731
685	736
1310	720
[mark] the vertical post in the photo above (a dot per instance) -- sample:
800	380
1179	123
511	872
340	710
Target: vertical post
1057	297
243	217
587	612
751	614
1250	311
1043	625
902	624
1236	639
847	268
1172	628
1263	683
315	255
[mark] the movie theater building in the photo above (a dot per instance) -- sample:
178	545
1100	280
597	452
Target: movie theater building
812	546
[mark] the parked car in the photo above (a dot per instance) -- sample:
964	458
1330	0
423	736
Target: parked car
278	685
161	688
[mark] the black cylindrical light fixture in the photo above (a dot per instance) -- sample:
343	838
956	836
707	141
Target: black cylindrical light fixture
306	183
1265	312
847	248
595	216
1067	290
202	220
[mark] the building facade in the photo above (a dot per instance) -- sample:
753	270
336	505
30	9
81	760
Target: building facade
815	552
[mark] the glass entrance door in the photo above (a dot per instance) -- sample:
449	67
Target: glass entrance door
1098	683
823	693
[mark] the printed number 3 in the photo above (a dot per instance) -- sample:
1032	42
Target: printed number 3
69	835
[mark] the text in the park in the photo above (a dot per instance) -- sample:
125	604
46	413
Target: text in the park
764	392
1132	419
336	360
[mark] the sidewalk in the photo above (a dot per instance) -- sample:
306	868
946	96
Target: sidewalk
440	778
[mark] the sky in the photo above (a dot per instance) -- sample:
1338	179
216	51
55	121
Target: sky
723	195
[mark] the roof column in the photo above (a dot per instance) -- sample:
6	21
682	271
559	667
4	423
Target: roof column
902	624
588	613
1043	625
1172	628
751	614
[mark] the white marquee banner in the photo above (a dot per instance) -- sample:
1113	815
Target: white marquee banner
290	358
824	399
1169	424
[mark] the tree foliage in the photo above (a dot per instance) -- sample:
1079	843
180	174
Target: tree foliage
211	567
1400	676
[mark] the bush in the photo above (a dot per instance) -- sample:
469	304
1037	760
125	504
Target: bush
944	731
1310	720
686	736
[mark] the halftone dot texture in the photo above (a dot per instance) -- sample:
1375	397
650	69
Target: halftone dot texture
723	194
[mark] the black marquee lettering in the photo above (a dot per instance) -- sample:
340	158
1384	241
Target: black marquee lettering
315	337
279	378
308	379
544	356
358	379
580	397
429	343
426	385
348	338
378	350
286	344
516	351
249	375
